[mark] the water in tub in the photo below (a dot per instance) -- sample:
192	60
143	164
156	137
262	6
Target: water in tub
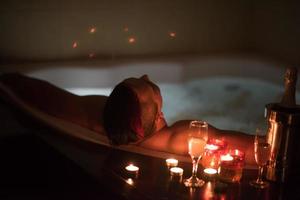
225	102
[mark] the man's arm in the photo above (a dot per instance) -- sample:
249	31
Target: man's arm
174	139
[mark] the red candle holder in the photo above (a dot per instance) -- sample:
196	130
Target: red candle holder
220	143
211	157
231	165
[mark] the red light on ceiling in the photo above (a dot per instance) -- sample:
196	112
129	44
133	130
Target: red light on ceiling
126	29
172	34
131	40
91	55
75	45
92	30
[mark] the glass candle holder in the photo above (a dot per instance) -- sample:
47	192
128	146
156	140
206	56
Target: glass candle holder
132	171
176	174
231	166
221	144
213	150
211	160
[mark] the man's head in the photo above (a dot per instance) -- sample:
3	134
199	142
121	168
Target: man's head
133	111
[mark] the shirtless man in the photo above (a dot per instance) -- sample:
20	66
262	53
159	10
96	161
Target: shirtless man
130	115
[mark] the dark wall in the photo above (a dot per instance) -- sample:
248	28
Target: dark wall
277	29
46	30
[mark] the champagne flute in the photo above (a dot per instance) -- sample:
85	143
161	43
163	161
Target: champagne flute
198	134
262	153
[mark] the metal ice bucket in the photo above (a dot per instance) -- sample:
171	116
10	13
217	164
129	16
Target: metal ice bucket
284	134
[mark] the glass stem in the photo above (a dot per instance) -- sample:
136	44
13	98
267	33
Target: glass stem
195	167
260	174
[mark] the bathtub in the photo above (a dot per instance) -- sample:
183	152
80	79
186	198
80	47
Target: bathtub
228	92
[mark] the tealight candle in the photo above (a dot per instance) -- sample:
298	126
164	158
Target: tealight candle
231	166
210	171
226	157
211	147
213	150
132	170
176	171
171	162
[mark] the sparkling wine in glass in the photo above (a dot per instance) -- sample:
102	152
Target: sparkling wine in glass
262	153
198	134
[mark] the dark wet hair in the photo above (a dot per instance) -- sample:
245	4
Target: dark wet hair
125	119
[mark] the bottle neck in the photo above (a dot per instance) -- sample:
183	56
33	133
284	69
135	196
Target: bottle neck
288	98
290	79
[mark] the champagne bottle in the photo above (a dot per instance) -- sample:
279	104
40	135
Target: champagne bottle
290	79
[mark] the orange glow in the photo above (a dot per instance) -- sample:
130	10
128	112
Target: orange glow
126	29
208	191
75	44
131	40
92	30
172	34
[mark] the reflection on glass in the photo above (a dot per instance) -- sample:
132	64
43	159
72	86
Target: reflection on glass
130	181
208	191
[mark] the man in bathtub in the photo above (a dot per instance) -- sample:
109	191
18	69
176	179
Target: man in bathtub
130	115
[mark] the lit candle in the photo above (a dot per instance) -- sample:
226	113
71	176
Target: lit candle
210	171
211	147
220	143
176	171
226	157
211	156
171	162
132	170
231	166
213	150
